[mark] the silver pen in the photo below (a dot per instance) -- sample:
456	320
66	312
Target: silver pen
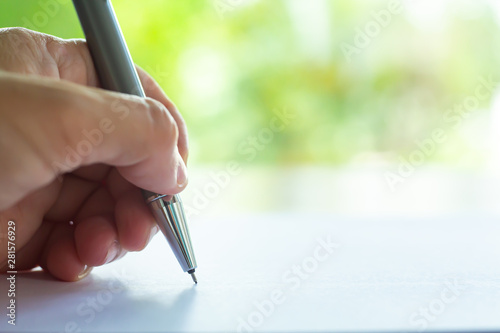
117	72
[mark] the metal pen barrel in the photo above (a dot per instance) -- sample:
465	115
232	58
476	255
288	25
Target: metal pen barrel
117	72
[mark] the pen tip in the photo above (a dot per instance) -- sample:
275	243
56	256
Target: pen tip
194	278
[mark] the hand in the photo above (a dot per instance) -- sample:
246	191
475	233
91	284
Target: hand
73	157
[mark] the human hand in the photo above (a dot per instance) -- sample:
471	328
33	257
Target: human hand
74	157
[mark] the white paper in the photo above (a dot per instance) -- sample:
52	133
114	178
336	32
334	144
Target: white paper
381	274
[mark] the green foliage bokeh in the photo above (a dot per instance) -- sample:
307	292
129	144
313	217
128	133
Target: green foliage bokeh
230	65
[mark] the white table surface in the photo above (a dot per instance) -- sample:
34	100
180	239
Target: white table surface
384	271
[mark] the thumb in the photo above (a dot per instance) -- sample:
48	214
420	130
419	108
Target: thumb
50	127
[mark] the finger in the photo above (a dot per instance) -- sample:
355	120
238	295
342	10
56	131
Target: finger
72	126
117	185
60	257
28	256
99	202
96	237
123	192
96	241
94	173
34	53
135	223
27	216
73	193
153	90
73	60
75	64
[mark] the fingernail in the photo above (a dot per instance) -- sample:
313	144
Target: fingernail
113	251
121	254
181	173
154	231
86	271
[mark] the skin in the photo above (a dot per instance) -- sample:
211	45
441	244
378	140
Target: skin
49	94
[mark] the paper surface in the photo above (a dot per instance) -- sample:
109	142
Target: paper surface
381	274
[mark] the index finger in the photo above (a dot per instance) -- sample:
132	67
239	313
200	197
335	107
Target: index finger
75	64
153	90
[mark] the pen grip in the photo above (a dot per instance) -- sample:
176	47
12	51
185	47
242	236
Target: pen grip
117	72
112	60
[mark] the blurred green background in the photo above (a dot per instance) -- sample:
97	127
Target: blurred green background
230	65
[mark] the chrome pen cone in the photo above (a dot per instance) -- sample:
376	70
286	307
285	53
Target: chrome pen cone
116	71
169	214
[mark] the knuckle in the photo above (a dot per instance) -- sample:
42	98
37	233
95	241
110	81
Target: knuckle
163	126
64	114
22	38
68	120
17	32
146	80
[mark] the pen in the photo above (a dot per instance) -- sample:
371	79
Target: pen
116	71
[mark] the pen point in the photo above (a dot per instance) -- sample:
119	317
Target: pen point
194	278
